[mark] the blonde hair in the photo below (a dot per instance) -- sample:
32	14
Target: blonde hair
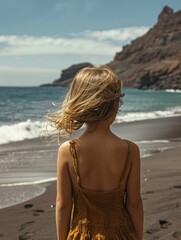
93	96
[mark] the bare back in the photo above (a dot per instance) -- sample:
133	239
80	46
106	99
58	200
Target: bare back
101	160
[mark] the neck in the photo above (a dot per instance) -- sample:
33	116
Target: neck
99	127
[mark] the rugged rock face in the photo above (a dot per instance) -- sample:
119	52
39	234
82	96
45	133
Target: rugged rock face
68	74
154	60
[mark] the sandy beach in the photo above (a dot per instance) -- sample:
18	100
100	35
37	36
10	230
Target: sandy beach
161	185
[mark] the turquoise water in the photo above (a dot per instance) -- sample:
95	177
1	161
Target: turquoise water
148	101
18	104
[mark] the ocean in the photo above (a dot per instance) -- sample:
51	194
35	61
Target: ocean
22	109
26	167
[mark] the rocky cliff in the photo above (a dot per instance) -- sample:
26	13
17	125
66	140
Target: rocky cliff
154	60
68	74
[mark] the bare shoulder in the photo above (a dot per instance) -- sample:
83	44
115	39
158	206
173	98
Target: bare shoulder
64	152
64	146
133	146
134	151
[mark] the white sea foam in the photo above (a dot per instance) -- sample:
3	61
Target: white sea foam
137	116
151	147
21	131
173	90
32	129
152	141
17	194
28	183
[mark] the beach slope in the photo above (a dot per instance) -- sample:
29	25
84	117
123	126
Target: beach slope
161	186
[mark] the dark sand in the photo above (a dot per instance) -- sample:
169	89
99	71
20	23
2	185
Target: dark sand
161	187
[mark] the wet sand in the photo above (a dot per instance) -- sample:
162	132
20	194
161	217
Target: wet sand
161	193
161	186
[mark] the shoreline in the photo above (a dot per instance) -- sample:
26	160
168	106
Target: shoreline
35	218
161	195
31	214
125	124
36	160
150	129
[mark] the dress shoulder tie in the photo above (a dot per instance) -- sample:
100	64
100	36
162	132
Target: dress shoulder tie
125	162
75	162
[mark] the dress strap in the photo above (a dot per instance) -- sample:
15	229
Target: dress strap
125	162
75	162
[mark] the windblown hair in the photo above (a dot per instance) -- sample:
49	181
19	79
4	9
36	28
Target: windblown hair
94	94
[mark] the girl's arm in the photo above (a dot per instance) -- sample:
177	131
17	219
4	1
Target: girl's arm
64	193
133	197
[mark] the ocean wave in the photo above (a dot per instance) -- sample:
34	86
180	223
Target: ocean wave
28	183
33	129
173	90
137	116
20	131
152	141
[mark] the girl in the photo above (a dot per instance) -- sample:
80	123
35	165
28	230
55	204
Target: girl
98	174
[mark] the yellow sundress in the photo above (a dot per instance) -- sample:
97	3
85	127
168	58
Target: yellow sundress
99	215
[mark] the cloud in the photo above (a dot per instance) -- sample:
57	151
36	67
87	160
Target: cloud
26	76
30	45
95	43
98	47
15	69
122	34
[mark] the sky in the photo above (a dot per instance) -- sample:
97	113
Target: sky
39	38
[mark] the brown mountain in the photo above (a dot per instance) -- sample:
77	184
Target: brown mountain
154	60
